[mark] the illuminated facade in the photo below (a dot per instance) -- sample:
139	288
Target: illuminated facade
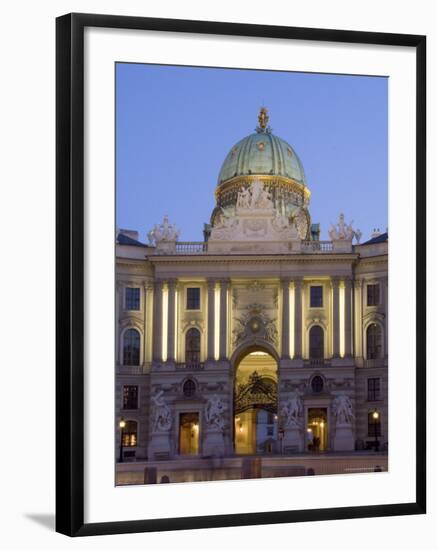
260	340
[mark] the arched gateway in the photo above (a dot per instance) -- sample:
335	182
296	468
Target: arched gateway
255	402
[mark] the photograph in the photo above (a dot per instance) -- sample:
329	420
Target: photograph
251	274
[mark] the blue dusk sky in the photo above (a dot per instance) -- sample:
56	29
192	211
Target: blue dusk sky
175	126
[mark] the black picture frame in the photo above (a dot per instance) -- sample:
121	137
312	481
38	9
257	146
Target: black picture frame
70	273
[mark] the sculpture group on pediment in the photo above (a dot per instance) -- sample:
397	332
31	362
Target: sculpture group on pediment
254	198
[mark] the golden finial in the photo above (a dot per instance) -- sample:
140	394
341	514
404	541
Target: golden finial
263	119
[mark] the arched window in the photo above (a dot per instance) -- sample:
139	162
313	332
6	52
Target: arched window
192	347
130	434
316	342
131	347
317	384
189	388
374	347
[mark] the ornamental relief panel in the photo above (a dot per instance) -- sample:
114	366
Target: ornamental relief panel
254	313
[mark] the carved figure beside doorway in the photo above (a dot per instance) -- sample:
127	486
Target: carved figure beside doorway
292	410
214	413
342	408
161	413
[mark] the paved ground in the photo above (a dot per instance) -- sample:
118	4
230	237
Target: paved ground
213	469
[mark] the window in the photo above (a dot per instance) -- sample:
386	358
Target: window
373	425
373	341
317	384
192	347
373	389
130	397
132	298
316	342
373	295
316	296
131	347
193	298
189	388
130	434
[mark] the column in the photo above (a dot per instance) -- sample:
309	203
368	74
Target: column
347	318
118	294
157	321
335	317
358	289
224	285
211	319
171	321
145	321
384	304
285	318
297	318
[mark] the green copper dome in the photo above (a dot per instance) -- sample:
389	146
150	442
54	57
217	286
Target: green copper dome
262	153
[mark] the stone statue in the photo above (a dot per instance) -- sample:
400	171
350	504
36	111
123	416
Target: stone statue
342	408
214	413
243	199
161	413
292	410
261	198
358	235
163	232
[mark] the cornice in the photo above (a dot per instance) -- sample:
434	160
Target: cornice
253	258
267	179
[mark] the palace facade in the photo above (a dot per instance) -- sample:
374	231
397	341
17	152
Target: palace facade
261	339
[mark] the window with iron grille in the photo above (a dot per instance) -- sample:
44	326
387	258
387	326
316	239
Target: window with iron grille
373	389
130	397
373	295
373	425
317	384
373	340
131	347
193	298
130	432
189	388
132	298
192	347
316	342
316	296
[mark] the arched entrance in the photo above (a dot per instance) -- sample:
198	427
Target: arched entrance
256	403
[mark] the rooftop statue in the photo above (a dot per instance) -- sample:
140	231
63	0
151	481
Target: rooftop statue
263	120
343	231
164	232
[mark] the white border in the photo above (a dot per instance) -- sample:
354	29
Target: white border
104	502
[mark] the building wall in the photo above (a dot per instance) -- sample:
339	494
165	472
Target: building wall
255	288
